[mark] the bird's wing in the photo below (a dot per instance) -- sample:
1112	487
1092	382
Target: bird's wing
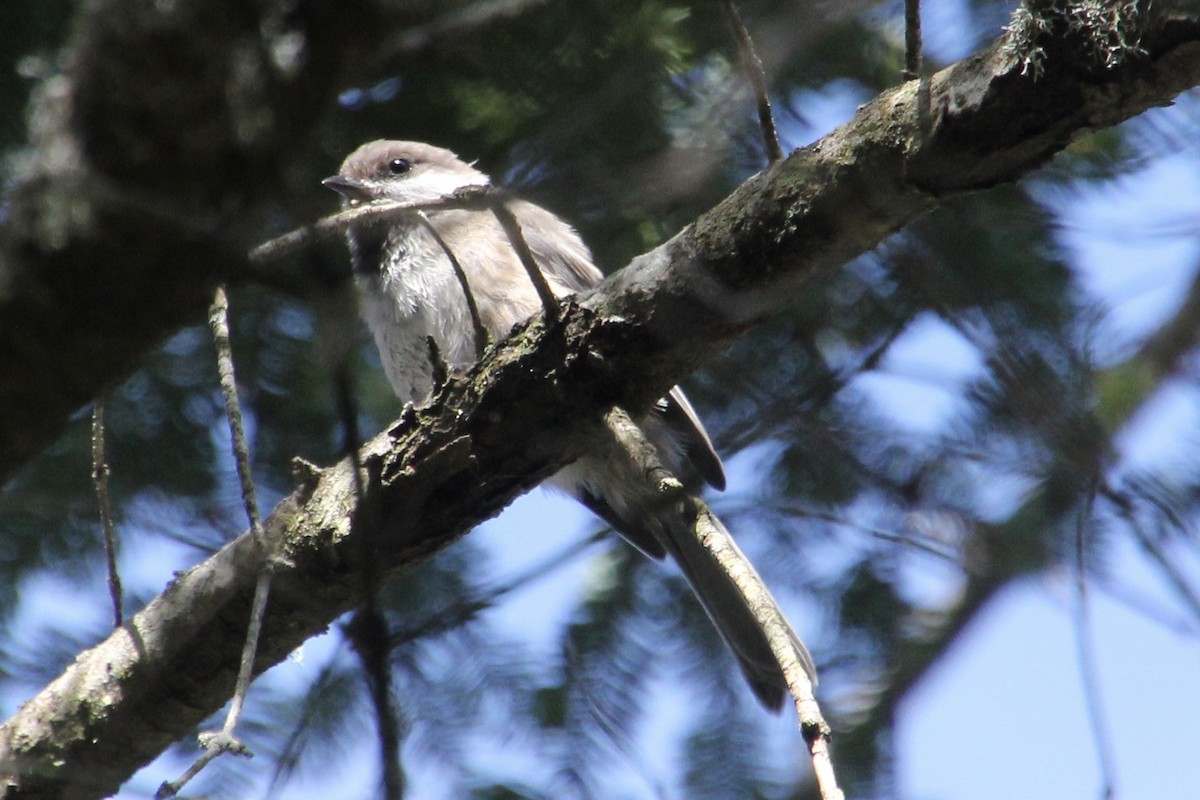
561	253
698	446
556	247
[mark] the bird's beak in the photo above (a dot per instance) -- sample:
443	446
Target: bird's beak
352	189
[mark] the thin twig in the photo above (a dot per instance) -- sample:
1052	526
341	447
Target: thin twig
512	229
923	543
1150	608
435	624
912	40
926	544
756	75
331	225
368	632
465	610
1087	656
481	333
918	541
172	788
347	218
767	414
218	321
1169	569
762	604
262	588
771	620
643	453
216	743
470	198
100	473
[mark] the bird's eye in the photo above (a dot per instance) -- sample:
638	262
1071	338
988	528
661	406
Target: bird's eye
399	166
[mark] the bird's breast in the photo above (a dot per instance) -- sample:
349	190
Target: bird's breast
414	295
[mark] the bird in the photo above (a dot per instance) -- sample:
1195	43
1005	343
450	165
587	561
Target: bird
408	291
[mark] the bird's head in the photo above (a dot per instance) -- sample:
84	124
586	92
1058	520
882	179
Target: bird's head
410	172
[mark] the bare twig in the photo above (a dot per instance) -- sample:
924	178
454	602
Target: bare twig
481	334
741	572
774	625
512	229
472	198
644	455
1170	570
464	611
1175	578
216	743
768	413
1087	656
912	40
368	633
261	590
347	218
100	474
218	321
437	623
1151	608
756	75
917	541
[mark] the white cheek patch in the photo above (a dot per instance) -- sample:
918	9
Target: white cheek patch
431	185
444	183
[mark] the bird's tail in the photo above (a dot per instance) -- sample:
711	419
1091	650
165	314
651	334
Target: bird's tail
614	484
729	611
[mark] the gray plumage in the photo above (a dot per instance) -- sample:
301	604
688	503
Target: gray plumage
408	291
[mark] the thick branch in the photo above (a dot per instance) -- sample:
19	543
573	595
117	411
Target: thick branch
986	120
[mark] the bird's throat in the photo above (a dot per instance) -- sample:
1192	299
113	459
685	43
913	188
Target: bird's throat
367	246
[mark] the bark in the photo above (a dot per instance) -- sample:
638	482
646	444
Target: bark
534	402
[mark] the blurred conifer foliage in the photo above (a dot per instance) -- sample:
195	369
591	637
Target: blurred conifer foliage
629	118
